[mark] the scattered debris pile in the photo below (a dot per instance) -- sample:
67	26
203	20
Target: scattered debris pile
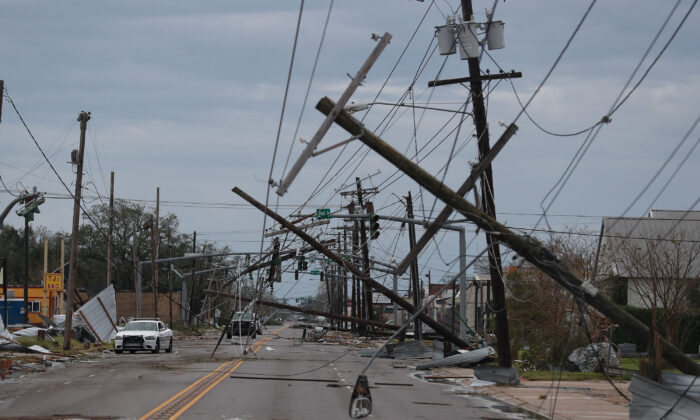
590	357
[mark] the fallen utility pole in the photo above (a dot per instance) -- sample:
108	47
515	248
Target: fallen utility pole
328	122
83	118
527	247
306	226
436	326
306	310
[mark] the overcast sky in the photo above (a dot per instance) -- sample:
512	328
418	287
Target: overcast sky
187	96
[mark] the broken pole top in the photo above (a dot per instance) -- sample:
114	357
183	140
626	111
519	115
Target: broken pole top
328	122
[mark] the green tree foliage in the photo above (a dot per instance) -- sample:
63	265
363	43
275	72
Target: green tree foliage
92	250
544	316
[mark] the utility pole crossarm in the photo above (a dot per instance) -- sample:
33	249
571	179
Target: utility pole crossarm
328	122
528	248
497	76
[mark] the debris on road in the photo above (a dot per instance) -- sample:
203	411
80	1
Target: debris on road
676	397
466	358
497	374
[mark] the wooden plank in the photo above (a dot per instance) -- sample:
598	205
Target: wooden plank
104	308
82	315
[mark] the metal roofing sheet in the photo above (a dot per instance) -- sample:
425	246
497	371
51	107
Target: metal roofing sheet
100	313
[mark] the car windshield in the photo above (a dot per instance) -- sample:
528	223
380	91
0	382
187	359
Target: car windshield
141	326
243	317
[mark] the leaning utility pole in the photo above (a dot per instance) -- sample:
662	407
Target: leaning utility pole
414	263
365	252
111	228
439	328
489	207
84	117
527	247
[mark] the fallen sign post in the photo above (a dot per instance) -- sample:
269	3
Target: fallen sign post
306	310
362	276
527	247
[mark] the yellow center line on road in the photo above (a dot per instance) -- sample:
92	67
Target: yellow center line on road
175	406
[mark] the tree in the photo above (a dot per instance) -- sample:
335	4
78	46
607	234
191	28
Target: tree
663	275
543	315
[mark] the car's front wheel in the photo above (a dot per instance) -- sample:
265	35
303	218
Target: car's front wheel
119	351
157	349
170	346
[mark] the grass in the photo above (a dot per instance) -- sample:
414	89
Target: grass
630	363
548	375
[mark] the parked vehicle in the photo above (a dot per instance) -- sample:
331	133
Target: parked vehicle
243	324
144	334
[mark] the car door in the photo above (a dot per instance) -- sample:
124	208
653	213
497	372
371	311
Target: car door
165	331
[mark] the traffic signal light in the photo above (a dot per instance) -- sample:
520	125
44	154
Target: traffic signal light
321	274
373	226
305	264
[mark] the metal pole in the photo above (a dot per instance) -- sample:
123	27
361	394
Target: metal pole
139	283
26	270
83	118
462	284
4	288
194	263
395	286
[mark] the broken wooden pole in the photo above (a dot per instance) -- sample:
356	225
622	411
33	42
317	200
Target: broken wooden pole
527	247
307	311
436	326
467	186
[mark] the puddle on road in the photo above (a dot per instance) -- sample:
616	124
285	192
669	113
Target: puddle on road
480	400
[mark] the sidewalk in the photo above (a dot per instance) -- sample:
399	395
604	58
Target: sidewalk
567	400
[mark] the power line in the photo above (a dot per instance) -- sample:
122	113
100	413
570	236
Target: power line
308	87
592	135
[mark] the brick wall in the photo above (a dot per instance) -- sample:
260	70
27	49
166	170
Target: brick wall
126	305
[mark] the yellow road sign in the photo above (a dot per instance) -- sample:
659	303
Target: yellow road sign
53	281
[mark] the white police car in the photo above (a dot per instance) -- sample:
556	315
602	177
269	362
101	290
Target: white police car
144	334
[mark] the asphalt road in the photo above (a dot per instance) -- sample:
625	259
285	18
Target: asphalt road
188	384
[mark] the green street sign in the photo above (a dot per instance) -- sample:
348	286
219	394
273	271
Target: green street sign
323	214
315	272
